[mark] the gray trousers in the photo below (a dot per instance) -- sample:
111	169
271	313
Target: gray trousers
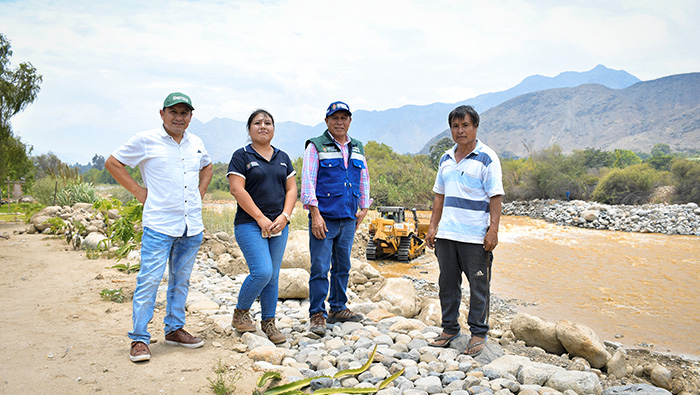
454	259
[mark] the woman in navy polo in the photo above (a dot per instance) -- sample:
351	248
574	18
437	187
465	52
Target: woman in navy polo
262	181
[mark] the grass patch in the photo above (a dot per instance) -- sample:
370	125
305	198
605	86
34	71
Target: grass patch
113	295
216	194
225	381
219	218
16	212
299	219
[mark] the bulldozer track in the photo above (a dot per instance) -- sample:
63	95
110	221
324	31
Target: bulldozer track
404	248
371	252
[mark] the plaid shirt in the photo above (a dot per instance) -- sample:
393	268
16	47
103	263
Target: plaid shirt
309	174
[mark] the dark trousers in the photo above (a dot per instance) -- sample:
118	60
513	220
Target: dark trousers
454	259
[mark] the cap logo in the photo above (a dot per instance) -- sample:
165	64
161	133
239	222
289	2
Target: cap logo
181	98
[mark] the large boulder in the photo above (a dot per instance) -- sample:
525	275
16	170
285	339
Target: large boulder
92	242
505	366
87	207
661	377
39	219
430	312
617	365
293	284
297	255
536	332
401	293
580	341
635	389
364	269
579	382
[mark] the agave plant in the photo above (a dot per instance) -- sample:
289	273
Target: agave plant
294	388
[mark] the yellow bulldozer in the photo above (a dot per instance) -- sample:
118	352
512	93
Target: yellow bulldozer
390	235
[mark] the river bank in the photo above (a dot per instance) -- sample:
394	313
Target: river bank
220	269
675	219
73	341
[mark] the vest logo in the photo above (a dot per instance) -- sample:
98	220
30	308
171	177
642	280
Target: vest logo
479	273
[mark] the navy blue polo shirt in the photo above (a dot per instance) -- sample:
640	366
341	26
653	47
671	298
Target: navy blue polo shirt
264	181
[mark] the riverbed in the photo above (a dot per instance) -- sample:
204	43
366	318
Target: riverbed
638	289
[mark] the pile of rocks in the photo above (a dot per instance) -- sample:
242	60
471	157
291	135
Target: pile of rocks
678	219
584	365
524	355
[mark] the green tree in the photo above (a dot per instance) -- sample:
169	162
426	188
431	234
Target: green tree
661	157
98	162
399	180
594	158
298	163
439	148
18	88
624	158
45	164
686	177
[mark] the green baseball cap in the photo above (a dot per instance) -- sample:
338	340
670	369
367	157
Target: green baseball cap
176	98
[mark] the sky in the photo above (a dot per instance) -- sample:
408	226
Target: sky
108	66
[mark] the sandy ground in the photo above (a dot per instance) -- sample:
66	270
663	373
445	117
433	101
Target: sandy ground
61	337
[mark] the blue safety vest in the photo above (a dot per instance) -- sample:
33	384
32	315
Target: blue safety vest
337	186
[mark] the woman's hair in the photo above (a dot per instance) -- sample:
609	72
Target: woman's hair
255	114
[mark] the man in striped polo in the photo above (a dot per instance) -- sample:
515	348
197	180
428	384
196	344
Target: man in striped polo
464	227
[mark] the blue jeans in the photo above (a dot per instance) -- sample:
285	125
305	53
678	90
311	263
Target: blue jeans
264	258
331	253
157	250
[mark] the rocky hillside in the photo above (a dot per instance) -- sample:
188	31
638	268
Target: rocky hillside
666	110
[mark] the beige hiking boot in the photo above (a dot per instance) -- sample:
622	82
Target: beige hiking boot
242	321
274	334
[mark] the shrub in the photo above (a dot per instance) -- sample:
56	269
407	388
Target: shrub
43	190
76	192
632	185
686	177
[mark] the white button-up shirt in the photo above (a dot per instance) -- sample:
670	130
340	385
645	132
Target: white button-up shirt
170	172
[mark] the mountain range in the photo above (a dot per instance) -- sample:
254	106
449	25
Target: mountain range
665	110
410	128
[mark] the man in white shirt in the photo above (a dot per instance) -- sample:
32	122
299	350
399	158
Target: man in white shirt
464	228
176	171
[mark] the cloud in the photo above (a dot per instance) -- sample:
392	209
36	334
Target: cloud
108	65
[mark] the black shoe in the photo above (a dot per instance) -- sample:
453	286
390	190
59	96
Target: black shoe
343	316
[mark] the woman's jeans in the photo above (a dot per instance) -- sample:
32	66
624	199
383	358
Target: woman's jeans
157	250
264	258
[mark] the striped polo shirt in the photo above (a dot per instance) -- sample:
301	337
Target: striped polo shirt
468	187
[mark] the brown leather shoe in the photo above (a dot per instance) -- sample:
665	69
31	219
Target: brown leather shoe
242	321
318	324
181	338
274	334
139	352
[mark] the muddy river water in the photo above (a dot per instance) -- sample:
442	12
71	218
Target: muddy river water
633	288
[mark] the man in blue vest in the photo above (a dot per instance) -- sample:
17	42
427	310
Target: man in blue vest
334	183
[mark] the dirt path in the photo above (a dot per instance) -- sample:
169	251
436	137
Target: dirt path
60	337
